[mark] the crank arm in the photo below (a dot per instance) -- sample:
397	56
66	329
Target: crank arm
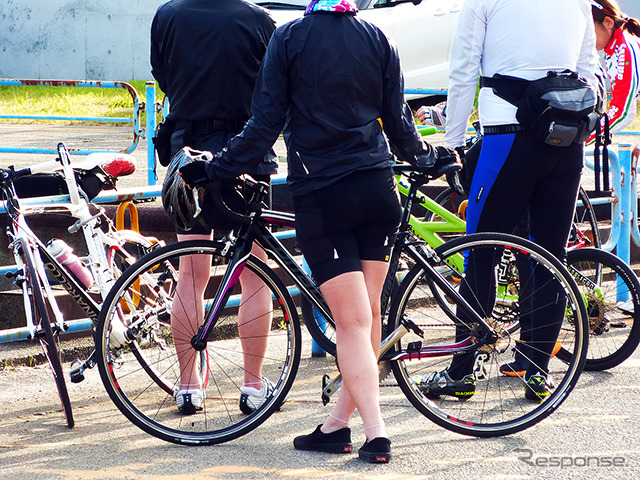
330	387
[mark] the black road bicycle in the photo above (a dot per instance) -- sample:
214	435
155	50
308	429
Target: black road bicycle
419	336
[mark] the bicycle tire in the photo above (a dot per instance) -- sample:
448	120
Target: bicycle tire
498	406
149	406
323	331
584	217
46	337
614	329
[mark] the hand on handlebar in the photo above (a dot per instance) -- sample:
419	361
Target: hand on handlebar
195	174
443	156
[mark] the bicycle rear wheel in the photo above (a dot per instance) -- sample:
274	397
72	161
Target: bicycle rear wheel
47	335
323	331
611	292
133	384
585	231
498	405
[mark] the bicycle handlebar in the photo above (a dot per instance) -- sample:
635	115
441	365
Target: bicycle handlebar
257	191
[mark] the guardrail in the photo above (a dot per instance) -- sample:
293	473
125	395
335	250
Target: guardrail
134	120
624	165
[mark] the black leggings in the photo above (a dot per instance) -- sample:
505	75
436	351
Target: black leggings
518	177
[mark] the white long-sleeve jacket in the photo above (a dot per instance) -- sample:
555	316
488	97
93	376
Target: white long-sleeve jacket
521	38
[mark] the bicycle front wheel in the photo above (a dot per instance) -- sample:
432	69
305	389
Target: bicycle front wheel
611	293
47	335
142	374
490	403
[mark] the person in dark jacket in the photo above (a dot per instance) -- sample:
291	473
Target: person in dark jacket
205	56
334	83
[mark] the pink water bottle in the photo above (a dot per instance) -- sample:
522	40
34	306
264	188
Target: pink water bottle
63	253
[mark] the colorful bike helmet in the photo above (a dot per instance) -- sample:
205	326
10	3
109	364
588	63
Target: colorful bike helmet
177	198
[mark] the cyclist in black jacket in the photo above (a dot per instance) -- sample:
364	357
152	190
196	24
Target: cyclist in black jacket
205	56
332	81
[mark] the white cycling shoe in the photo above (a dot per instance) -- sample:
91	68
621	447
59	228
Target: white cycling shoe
251	398
190	401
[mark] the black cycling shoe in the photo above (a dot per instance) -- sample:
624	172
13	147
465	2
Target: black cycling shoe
440	383
538	387
317	441
377	450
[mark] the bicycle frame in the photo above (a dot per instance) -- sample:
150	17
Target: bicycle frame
429	231
275	251
257	231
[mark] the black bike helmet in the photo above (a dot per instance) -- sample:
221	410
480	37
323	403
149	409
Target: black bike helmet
177	199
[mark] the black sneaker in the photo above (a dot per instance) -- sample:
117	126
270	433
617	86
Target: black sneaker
377	450
440	383
538	387
317	441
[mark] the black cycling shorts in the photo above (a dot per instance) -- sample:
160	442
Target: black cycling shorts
353	219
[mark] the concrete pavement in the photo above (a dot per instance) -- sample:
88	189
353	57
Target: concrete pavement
593	435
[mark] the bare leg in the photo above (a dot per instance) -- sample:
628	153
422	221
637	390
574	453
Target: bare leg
354	299
254	322
254	316
188	310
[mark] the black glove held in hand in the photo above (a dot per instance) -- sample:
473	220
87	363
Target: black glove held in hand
446	155
194	174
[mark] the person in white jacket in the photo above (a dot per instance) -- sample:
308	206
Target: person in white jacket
516	173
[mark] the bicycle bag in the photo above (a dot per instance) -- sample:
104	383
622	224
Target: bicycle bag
91	182
559	109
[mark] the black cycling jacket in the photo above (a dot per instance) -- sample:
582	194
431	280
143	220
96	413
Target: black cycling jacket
205	55
326	80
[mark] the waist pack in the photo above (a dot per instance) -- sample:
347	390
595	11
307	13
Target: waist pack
559	109
162	140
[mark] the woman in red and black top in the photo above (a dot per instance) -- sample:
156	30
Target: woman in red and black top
619	36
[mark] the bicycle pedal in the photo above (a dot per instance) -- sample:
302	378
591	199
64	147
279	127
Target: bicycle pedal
76	374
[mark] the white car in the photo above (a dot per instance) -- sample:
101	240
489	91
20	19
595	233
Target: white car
422	29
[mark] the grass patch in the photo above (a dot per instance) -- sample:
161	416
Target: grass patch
91	102
70	101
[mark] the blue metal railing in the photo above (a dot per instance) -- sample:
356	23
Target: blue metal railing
624	227
134	120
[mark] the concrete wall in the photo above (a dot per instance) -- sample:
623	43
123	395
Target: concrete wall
88	39
76	39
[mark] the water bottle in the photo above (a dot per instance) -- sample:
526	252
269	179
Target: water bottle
63	253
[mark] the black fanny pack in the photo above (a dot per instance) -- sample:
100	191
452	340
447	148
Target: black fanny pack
162	140
559	109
